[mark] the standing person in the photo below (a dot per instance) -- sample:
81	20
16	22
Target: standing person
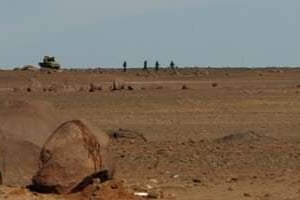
156	66
145	65
172	65
125	66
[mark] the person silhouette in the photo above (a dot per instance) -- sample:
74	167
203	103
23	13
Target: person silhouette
125	66
172	65
156	66
145	65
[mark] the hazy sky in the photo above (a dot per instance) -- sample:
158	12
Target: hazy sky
95	33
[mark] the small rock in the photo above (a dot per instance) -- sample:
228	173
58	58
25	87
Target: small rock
247	195
153	180
118	85
214	84
114	186
184	87
149	186
96	180
232	179
195	180
94	87
129	87
167	195
175	176
153	195
267	195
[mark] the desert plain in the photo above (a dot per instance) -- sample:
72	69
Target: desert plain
186	134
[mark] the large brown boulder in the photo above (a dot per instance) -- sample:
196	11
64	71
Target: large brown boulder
72	157
18	161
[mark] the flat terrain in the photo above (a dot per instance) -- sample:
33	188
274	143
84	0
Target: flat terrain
229	134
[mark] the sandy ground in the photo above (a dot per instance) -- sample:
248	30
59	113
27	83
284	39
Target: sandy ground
186	154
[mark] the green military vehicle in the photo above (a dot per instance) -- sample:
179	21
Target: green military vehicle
49	63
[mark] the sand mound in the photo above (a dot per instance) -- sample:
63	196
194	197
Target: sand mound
71	158
33	121
18	161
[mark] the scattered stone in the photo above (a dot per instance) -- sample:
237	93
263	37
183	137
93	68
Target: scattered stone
110	190
16	89
118	85
153	180
232	179
149	186
196	180
94	87
175	176
184	87
129	87
81	89
267	195
247	195
214	84
34	85
153	195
